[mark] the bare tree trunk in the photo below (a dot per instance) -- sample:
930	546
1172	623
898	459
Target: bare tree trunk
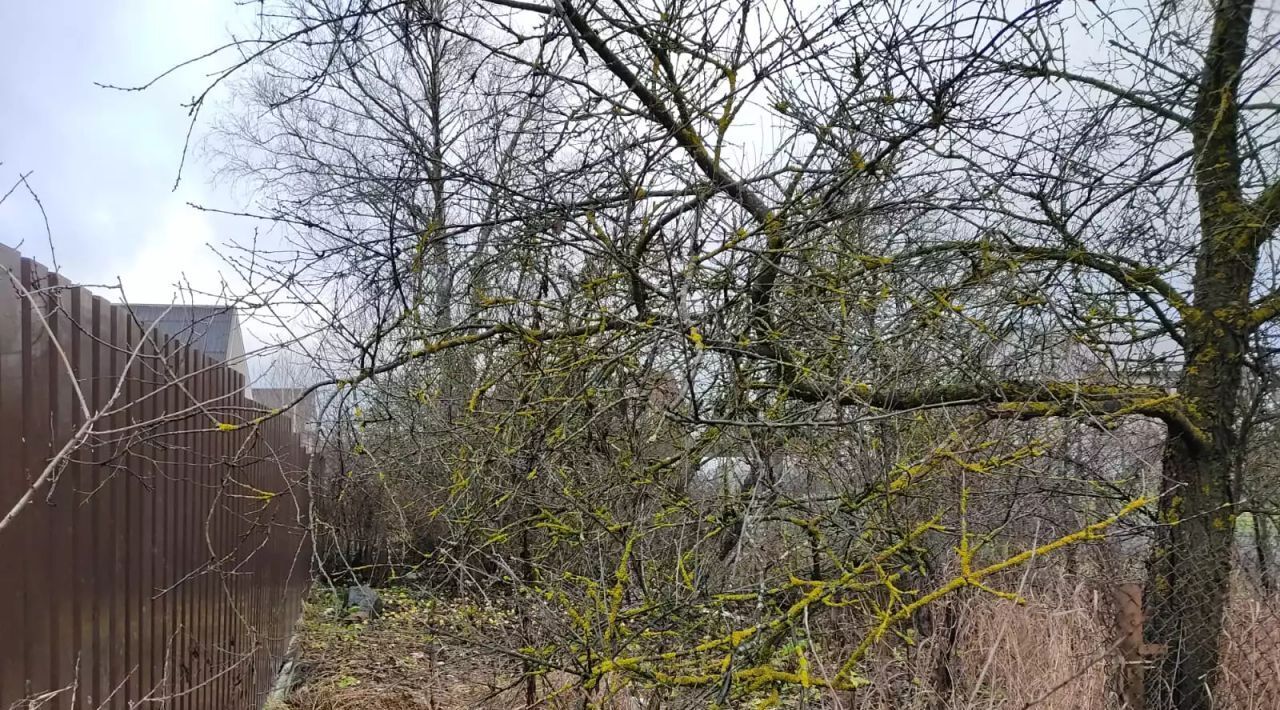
526	667
1262	544
1190	569
1189	575
1189	582
947	632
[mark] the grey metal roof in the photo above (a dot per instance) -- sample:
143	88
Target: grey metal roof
207	328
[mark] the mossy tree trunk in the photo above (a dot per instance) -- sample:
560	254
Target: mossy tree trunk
1189	577
1262	544
1190	570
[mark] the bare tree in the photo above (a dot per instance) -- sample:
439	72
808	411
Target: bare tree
882	242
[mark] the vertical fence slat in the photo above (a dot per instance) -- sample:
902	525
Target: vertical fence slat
132	557
221	681
36	410
149	496
233	678
104	492
60	501
190	527
200	474
235	503
83	513
194	521
172	543
182	521
233	609
213	596
161	543
252	558
261	520
218	600
13	670
242	474
264	558
52	499
226	681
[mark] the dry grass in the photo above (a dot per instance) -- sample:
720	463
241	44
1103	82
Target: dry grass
1251	656
400	661
1058	652
1054	653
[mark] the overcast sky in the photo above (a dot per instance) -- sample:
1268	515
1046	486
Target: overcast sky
103	162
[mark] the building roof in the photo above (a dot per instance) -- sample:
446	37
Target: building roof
212	330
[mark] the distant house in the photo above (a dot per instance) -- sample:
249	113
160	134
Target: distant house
302	415
213	330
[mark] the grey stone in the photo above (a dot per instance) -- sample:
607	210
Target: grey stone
363	602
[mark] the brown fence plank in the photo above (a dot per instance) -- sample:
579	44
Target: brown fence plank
218	667
167	501
83	513
104	494
182	520
201	478
60	504
191	566
115	382
190	529
225	610
176	517
232	609
36	409
151	569
13	670
134	558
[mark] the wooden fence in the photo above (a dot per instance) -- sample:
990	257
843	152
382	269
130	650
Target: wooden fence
162	563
